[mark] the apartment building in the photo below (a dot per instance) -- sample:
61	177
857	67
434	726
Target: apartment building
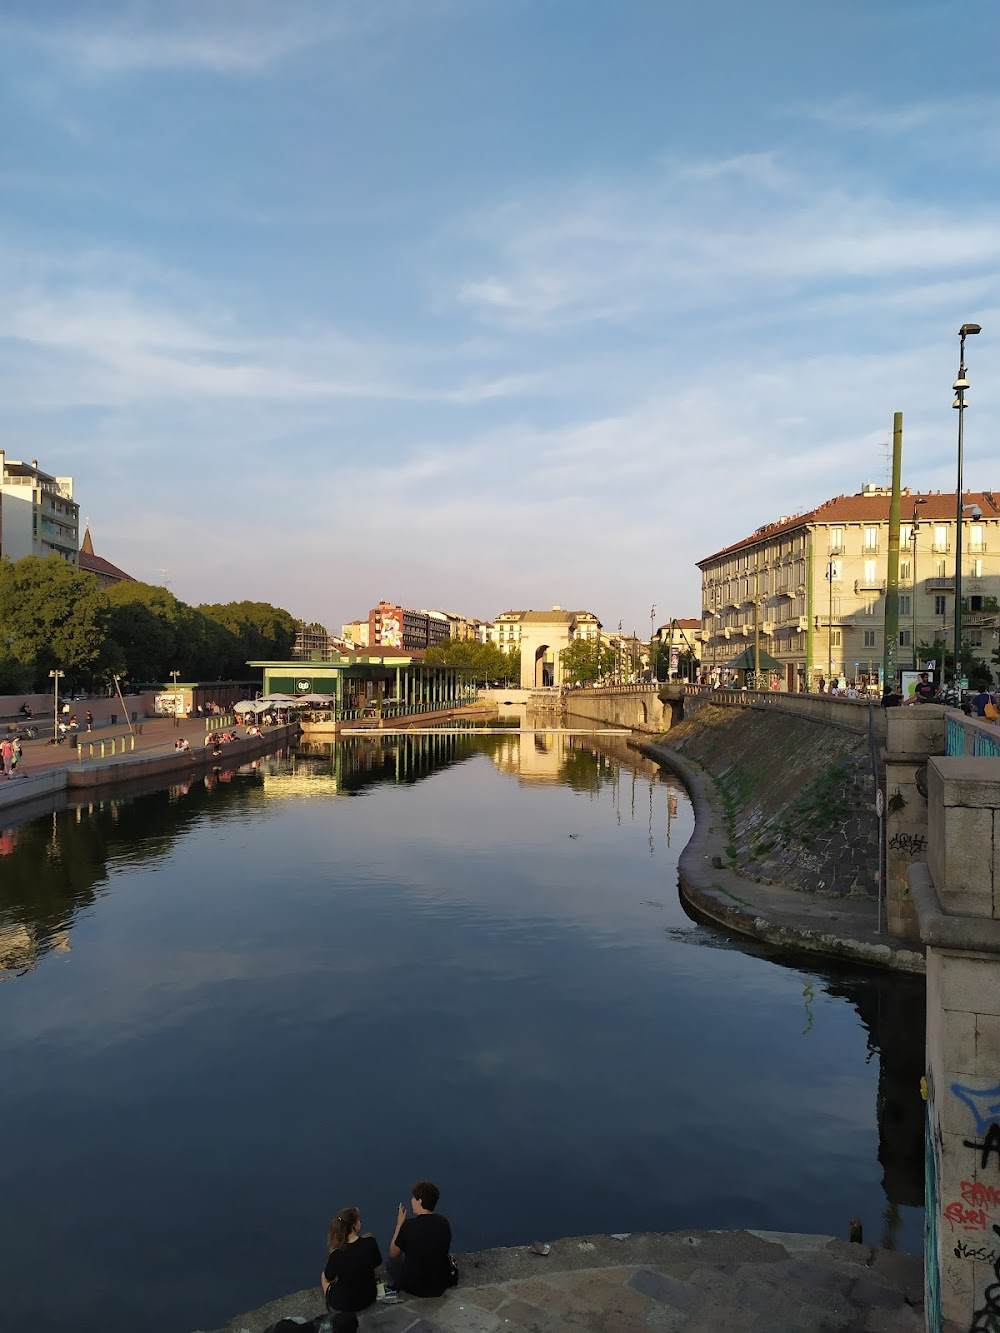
393	626
38	515
812	585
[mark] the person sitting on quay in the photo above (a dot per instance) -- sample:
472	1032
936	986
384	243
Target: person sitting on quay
183	746
349	1278
25	710
419	1259
72	724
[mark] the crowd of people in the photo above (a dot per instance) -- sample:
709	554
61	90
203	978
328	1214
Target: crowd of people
354	1277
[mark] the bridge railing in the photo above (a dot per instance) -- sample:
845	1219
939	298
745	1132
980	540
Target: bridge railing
970	736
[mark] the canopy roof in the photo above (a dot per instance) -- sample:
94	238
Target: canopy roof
745	661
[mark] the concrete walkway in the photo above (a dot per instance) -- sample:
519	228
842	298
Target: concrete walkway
42	772
816	923
691	1282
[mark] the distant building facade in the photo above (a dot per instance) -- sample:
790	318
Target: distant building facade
814	585
314	643
38	515
400	627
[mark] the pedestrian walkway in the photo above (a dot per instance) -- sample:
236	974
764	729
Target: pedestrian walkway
794	921
688	1282
44	766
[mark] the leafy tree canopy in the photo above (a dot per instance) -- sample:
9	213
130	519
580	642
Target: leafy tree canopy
52	615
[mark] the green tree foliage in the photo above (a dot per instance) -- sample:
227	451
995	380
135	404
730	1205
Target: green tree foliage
52	615
972	667
486	661
586	660
258	630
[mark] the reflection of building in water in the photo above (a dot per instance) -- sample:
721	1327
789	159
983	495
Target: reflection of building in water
538	757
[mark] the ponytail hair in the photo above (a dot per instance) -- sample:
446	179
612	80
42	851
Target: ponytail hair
341	1228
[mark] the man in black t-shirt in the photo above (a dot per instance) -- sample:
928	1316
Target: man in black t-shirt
923	692
419	1260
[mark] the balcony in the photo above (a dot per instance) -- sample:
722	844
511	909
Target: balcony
940	584
869	585
940	548
869	550
835	550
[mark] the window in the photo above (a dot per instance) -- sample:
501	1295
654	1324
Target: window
870	573
976	568
871	539
868	607
835	638
939	605
835	606
906	534
904	570
975	603
869	638
836	539
940	537
975	537
940	569
905	638
905	604
976	638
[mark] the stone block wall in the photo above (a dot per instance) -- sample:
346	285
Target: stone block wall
962	927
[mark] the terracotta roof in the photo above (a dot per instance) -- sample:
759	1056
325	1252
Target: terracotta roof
939	506
93	564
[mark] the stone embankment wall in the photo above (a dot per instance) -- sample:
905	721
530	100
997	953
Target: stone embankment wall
799	796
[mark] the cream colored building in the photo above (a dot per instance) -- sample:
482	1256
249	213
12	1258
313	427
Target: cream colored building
814	585
544	635
38	515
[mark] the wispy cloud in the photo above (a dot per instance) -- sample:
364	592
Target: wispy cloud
229	37
723	233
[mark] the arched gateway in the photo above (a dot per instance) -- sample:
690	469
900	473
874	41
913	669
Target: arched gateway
544	636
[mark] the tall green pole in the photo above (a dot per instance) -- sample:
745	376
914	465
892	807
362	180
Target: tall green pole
890	658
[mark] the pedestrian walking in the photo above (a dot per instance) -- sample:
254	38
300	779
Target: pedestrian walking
89	718
16	756
6	755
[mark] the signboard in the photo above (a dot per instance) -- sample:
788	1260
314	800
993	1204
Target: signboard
908	679
879	803
169	705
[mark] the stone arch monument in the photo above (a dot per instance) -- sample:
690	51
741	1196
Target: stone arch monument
544	635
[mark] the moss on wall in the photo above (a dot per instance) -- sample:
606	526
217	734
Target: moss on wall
798	797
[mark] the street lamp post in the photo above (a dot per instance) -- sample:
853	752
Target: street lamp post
173	677
960	386
652	630
56	675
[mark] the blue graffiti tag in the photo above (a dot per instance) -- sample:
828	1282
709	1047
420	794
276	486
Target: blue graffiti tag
984	1103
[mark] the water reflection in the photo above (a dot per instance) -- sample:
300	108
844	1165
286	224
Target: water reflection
490	919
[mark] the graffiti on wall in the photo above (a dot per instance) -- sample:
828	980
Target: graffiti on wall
975	1211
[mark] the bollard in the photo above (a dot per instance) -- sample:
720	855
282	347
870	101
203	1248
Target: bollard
102	749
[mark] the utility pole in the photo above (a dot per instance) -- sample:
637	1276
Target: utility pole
652	631
890	651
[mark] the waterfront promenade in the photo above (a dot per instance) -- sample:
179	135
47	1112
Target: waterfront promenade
47	770
690	1282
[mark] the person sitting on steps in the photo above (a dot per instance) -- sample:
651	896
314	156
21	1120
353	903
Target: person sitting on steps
419	1259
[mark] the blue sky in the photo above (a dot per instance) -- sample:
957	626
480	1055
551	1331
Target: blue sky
488	303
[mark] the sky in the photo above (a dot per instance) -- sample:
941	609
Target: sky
489	304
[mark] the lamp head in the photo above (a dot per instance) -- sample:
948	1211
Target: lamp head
962	382
967	330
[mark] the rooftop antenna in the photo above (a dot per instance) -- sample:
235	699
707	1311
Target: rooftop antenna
886	447
164	577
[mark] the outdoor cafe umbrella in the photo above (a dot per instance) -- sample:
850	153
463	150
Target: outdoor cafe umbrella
745	662
250	706
315	699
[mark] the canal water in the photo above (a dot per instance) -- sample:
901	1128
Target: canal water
231	1008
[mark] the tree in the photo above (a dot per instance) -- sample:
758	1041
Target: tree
586	660
485	661
259	631
145	626
972	667
52	616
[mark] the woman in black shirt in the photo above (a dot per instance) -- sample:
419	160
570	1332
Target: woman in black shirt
348	1279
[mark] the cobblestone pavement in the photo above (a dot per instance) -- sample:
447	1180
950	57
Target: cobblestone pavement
696	1282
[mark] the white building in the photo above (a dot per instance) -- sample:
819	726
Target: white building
38	515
